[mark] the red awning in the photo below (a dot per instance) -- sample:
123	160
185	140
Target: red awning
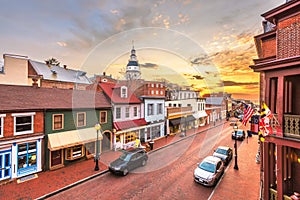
129	124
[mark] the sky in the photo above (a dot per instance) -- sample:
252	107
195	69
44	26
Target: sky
207	45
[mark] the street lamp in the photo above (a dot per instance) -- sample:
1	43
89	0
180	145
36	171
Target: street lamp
235	128
97	127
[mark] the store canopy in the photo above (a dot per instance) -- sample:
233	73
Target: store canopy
129	124
199	114
67	139
182	120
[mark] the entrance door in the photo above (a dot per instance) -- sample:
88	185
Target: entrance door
106	142
5	165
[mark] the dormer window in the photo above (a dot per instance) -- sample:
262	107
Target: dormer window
123	92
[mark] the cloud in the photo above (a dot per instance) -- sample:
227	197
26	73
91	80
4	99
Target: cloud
149	65
234	83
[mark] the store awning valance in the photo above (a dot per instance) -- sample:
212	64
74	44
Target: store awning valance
199	114
129	124
182	120
67	139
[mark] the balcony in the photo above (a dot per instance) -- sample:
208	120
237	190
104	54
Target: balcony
292	126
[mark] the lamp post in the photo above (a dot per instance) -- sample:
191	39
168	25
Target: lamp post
236	167
97	127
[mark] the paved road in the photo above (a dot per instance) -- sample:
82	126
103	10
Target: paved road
167	175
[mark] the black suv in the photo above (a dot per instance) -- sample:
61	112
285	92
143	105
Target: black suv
128	161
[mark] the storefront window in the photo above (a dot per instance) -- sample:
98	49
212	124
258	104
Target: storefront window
130	137
75	152
90	148
27	156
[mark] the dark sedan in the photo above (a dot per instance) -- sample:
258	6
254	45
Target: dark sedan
128	161
238	134
225	153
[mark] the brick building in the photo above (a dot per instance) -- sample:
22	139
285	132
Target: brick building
278	63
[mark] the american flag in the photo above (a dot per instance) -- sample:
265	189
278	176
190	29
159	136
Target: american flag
248	111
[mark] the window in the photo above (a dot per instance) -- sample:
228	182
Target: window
123	92
118	113
27	157
75	152
1	124
58	121
161	92
150	109
81	119
156	91
135	111
130	137
103	117
160	108
23	123
152	91
170	105
127	112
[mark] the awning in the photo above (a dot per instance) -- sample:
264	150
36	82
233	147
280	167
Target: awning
71	138
182	120
199	114
129	124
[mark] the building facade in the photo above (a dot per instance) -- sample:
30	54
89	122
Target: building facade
278	63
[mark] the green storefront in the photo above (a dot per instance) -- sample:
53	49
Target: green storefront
71	136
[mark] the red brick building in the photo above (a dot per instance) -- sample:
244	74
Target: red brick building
278	63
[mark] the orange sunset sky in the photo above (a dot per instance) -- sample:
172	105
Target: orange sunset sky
207	45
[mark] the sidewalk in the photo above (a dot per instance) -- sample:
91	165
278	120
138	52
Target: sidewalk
50	182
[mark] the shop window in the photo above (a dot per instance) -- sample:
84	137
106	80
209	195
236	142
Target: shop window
103	117
130	137
118	113
58	121
27	155
118	138
56	158
81	119
75	152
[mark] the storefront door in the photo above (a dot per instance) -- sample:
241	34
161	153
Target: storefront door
5	165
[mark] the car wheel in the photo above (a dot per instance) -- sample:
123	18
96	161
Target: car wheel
125	172
144	162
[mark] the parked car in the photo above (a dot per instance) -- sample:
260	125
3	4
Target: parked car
225	153
209	171
128	161
239	135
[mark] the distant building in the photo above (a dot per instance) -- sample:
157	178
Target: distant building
133	68
279	66
20	70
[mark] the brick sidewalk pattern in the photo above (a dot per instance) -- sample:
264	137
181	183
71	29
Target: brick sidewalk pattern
233	185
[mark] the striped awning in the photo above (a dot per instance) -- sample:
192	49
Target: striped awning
129	124
67	139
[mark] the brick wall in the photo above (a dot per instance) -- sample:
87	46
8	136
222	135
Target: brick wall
268	47
9	124
288	41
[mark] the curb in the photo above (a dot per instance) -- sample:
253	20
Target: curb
106	171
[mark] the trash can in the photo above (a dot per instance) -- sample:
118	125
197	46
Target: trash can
151	143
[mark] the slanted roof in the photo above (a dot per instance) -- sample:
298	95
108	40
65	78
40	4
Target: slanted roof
214	100
57	73
113	91
19	98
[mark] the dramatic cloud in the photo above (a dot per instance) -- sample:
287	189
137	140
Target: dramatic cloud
149	65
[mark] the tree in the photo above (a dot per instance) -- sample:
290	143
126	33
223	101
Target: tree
52	61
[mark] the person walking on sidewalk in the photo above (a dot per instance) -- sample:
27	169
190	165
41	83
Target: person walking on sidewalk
151	144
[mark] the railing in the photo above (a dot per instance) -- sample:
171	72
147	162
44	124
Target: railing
292	125
273	194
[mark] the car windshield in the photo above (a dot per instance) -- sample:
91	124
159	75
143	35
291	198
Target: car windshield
207	166
125	156
239	132
221	151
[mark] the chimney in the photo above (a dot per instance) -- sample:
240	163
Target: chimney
104	73
65	66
